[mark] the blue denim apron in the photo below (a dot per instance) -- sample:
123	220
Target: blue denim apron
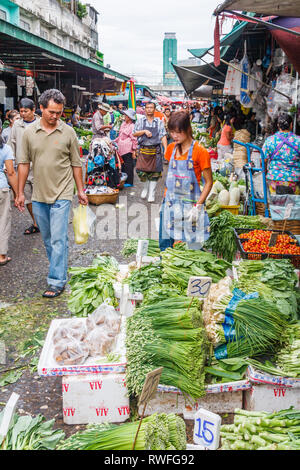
183	192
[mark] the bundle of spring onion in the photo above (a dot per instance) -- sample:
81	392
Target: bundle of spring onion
131	245
243	325
142	279
221	240
179	264
274	280
169	334
254	430
157	432
92	285
288	358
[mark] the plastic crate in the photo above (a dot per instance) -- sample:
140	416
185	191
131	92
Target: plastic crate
295	259
233	209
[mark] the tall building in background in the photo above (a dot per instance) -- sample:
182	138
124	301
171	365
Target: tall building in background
170	56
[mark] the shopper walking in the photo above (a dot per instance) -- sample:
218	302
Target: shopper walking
27	118
99	128
151	134
52	148
7	178
12	116
127	145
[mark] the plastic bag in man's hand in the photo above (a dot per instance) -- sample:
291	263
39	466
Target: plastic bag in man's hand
83	224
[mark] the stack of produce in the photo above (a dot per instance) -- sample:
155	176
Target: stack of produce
242	325
92	285
142	279
274	280
179	264
288	358
157	432
222	241
254	430
131	245
167	333
31	433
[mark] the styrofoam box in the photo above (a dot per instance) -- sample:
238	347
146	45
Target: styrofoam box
219	398
271	393
271	398
95	398
47	365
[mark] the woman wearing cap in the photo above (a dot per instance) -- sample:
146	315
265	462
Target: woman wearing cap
99	127
283	153
127	145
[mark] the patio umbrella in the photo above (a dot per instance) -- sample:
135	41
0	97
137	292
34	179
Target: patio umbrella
132	95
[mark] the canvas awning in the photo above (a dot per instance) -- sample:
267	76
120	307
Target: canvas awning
263	7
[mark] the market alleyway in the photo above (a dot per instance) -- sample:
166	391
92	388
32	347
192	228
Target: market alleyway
26	318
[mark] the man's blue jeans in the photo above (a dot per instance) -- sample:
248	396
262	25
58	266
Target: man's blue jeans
53	222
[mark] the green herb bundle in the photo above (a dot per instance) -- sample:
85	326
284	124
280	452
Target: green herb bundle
179	264
131	244
169	334
247	328
258	430
157	432
142	279
288	358
93	285
31	433
275	280
221	240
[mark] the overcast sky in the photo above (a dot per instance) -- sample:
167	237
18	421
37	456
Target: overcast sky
131	33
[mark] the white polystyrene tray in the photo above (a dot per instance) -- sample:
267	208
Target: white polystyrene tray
47	365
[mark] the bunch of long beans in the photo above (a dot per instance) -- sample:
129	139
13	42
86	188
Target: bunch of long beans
157	432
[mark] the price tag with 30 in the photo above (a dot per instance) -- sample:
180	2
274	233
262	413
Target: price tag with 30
207	429
199	286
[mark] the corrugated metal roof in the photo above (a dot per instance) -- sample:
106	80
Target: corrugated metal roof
263	7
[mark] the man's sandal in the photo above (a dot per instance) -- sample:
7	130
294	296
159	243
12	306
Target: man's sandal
53	292
32	229
3	263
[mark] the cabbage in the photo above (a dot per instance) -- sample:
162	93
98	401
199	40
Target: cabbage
224	197
235	195
217	187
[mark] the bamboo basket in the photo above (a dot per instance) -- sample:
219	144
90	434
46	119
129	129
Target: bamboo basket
98	199
292	226
260	209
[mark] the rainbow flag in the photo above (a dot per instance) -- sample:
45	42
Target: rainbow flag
132	96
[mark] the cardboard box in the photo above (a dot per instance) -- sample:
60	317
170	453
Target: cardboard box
95	398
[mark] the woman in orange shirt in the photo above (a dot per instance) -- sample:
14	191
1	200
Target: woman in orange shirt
183	216
224	144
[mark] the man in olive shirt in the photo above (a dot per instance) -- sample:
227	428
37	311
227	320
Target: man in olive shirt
52	148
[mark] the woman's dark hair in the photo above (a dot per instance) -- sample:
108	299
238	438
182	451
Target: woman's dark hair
228	118
180	121
284	121
27	103
52	94
12	114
